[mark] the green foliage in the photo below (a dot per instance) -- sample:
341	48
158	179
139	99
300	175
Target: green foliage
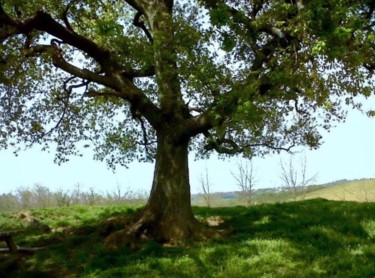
220	15
315	238
268	75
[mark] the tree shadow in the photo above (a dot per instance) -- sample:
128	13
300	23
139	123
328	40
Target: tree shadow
303	232
315	230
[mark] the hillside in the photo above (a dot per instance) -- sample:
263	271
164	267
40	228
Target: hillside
342	190
356	190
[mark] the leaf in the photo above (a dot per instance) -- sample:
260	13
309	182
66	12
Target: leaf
229	42
220	15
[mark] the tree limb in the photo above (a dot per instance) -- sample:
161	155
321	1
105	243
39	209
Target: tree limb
194	126
65	15
233	148
138	23
44	22
115	78
103	93
59	61
146	72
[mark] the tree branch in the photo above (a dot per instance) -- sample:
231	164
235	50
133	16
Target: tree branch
138	23
103	93
233	148
137	5
193	126
146	72
42	21
59	61
65	15
121	87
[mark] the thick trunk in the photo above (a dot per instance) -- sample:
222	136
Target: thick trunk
169	203
168	215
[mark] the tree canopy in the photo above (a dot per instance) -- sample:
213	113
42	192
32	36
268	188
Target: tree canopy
262	75
233	77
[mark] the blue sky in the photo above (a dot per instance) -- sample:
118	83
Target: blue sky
348	153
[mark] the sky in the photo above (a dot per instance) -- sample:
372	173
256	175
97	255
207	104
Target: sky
348	152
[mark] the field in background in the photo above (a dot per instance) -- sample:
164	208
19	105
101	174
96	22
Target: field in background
357	190
40	196
311	238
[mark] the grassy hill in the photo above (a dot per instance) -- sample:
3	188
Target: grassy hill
357	190
42	197
311	238
343	190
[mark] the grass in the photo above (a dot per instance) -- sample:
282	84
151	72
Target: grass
312	238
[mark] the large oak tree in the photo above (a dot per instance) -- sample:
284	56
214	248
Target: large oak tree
153	79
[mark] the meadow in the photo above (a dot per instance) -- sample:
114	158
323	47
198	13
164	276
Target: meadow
310	238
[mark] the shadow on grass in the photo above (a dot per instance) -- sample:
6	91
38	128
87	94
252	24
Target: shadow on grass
325	237
314	238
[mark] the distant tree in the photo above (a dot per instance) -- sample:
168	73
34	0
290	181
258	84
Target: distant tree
206	188
119	195
77	194
9	202
368	191
25	196
294	177
91	197
151	80
63	198
246	181
42	196
360	190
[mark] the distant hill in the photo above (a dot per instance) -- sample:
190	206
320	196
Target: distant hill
342	190
356	190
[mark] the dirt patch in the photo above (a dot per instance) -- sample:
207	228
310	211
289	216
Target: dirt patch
33	222
214	221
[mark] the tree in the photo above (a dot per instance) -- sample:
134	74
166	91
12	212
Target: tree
245	178
77	194
41	196
295	178
62	198
25	196
118	196
206	187
151	80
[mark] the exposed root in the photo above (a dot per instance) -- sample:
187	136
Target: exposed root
169	231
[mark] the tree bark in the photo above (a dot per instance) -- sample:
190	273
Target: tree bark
167	216
169	203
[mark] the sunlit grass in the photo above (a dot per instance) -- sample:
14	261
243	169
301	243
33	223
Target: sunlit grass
314	238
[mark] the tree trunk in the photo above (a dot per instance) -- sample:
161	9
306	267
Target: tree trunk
169	203
168	215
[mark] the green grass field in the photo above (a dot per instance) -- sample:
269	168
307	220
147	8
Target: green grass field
313	238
